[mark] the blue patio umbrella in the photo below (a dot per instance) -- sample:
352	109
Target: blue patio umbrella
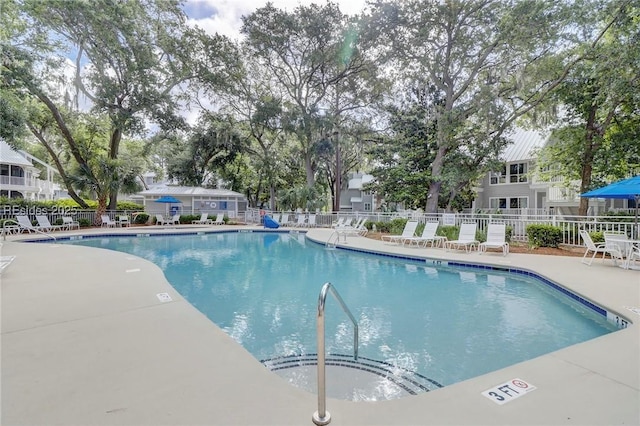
627	189
168	199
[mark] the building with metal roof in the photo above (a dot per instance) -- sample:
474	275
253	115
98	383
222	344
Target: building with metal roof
193	200
516	189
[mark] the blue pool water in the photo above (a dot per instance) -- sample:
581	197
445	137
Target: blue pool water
448	324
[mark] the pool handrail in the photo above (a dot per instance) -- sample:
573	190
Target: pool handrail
322	416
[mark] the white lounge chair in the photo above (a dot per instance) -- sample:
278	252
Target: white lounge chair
204	220
175	219
409	231
107	222
428	236
358	229
285	220
25	224
276	218
339	223
311	222
69	223
496	238
219	219
301	221
45	225
591	247
466	238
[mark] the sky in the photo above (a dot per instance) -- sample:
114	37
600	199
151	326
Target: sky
225	16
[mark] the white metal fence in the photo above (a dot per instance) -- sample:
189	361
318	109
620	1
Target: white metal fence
569	225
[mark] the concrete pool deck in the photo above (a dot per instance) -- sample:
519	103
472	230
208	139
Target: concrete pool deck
86	340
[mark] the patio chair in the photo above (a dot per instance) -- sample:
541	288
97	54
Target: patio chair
45	225
466	238
356	230
300	222
409	231
204	220
616	246
591	247
107	222
219	219
428	236
160	220
311	222
633	257
339	223
123	221
175	219
285	220
25	224
69	223
496	238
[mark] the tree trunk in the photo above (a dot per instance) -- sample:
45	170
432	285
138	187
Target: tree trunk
114	147
100	210
436	183
591	146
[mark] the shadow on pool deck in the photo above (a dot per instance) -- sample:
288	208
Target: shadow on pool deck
86	340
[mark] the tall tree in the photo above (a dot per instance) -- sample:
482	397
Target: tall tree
311	53
486	66
599	93
213	144
131	58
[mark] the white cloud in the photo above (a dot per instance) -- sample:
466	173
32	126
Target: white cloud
225	16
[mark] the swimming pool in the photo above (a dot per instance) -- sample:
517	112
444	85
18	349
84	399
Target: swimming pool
447	324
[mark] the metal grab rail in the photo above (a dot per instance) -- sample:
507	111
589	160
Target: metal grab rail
322	416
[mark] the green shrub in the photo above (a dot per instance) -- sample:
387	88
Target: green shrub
141	218
451	232
84	222
58	221
396	226
544	235
597	236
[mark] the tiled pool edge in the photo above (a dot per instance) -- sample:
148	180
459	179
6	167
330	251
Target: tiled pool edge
614	317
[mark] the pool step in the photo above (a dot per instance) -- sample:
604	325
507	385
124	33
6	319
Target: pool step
364	379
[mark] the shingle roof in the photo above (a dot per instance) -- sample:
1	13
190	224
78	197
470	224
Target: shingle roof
9	155
525	142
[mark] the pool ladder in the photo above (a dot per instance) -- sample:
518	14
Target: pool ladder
322	416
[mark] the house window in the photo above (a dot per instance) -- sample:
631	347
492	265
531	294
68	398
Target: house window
518	172
511	203
518	203
367	207
499	177
498	203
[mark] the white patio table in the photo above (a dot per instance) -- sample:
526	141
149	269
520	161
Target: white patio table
628	246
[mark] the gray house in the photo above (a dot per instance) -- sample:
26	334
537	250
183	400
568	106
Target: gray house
354	198
513	188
